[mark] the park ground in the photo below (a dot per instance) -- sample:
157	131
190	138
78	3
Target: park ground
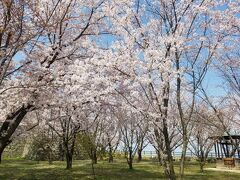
31	170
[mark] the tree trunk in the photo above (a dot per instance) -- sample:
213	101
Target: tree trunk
1	152
159	157
139	155
130	159
10	125
94	156
130	163
69	160
202	161
183	155
168	162
0	157
183	123
69	151
110	156
201	166
68	154
110	153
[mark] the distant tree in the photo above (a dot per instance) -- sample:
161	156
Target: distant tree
204	128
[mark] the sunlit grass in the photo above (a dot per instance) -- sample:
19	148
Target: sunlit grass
31	170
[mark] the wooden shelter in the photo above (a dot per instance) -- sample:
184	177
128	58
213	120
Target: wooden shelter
227	150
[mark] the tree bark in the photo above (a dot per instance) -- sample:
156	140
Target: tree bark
201	166
11	123
69	160
168	162
0	157
94	156
139	155
202	161
130	163
110	152
130	159
110	160
183	155
159	157
110	156
2	147
69	157
183	123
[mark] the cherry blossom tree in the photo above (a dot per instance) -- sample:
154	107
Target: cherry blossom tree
128	128
111	134
142	134
49	35
163	47
80	58
205	128
229	68
16	32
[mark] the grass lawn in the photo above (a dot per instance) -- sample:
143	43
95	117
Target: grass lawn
31	170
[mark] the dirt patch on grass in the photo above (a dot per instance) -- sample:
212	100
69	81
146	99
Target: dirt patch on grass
223	170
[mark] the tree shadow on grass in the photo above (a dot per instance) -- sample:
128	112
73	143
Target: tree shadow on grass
57	173
130	174
120	171
30	170
23	170
212	175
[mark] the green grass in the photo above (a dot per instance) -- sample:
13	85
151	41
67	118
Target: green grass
31	170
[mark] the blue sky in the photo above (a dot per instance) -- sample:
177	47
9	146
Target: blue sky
214	83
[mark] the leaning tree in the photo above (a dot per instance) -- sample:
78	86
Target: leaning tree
34	38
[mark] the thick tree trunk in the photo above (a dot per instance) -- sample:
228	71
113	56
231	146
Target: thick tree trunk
130	163
130	159
69	160
69	151
1	157
2	147
11	123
